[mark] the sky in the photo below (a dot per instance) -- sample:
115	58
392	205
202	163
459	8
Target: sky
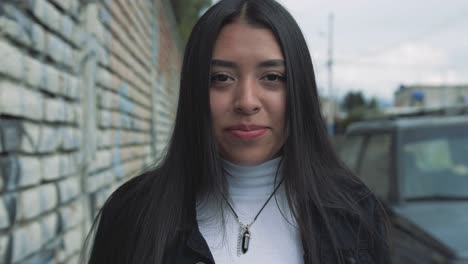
380	44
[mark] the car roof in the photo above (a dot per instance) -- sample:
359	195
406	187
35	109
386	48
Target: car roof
404	123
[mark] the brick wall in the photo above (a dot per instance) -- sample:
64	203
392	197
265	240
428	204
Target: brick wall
87	98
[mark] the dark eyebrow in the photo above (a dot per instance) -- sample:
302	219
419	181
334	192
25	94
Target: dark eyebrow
271	63
263	64
223	63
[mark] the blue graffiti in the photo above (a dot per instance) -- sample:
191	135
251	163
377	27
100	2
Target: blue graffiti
126	107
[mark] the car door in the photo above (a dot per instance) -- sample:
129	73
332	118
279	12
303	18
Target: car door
374	166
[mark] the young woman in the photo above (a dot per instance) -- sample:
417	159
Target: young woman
250	175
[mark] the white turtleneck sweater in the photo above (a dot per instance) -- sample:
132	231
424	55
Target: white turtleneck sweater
274	238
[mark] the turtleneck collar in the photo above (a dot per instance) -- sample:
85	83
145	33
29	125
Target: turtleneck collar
252	181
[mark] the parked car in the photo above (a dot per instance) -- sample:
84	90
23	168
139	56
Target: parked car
418	168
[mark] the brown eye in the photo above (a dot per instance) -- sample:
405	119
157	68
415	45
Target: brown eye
274	77
219	78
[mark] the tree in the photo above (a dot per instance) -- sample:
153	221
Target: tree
358	108
373	104
186	14
353	100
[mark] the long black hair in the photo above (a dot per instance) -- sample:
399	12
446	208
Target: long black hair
154	210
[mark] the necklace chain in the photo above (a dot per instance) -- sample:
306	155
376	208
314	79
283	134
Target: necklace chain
244	230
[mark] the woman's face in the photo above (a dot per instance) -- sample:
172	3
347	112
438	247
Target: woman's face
248	94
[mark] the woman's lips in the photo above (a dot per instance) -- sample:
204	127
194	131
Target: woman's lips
247	134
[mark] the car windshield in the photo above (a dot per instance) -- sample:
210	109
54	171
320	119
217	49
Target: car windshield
434	163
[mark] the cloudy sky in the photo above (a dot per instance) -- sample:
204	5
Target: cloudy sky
380	44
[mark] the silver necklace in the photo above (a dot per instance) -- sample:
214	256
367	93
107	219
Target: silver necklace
243	239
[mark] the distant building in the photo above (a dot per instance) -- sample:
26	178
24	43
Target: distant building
431	95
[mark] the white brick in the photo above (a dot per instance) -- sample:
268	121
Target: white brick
48	227
67	27
64	84
105	138
103	160
8	26
71	138
77	137
105	99
16	61
78	36
99	180
79	115
40	10
149	160
50	139
104	78
54	47
29	204
62	3
51	167
31	140
3	246
15	29
4	217
61	82
19	101
26	240
148	150
75	88
52	76
92	23
50	15
91	17
103	54
74	259
103	195
30	171
34	73
70	114
105	118
68	165
38	37
74	7
48	196
55	110
69	189
67	55
72	215
73	241
54	18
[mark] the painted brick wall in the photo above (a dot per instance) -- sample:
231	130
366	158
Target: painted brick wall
87	99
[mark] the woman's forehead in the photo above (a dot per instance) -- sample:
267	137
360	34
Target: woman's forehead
240	39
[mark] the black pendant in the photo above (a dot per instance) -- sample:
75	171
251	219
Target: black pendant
245	241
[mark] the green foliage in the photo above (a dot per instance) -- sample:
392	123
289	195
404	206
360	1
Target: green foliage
353	100
186	14
372	104
359	108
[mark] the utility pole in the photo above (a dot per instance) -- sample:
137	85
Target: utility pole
331	115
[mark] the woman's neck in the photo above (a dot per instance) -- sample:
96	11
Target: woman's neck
253	181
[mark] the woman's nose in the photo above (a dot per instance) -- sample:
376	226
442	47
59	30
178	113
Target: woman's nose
247	101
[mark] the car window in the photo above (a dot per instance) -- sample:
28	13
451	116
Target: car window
350	149
375	165
436	164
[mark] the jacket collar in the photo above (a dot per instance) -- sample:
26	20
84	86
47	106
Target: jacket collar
198	244
195	240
